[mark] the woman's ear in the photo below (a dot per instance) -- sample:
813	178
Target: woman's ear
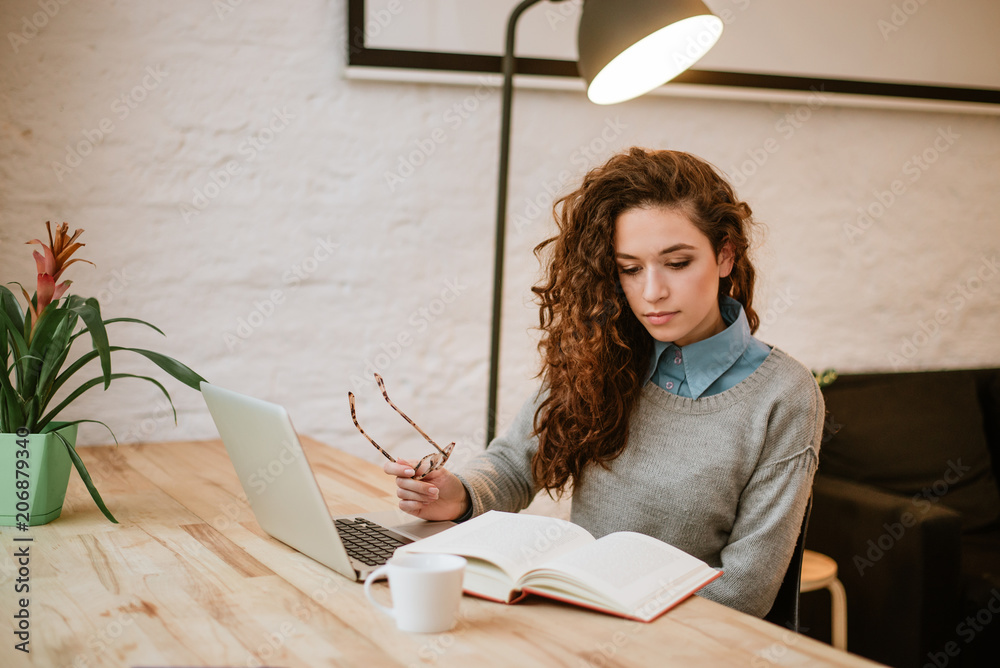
726	259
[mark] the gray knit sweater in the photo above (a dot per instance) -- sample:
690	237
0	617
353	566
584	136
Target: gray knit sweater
724	477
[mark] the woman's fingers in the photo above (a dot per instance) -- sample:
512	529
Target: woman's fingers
411	507
415	490
423	498
408	488
399	468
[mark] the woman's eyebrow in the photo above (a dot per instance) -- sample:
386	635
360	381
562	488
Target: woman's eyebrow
665	251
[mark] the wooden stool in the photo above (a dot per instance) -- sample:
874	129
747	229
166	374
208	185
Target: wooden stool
818	572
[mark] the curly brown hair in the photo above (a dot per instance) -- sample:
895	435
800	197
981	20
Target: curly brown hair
595	352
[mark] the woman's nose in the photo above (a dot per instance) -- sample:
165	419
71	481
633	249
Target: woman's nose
655	288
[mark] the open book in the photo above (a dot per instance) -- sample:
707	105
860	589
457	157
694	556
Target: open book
626	574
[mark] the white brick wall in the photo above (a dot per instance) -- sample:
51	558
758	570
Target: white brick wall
307	264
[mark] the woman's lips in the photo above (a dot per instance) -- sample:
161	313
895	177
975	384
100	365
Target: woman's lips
660	317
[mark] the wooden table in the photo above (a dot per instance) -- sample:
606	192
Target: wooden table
189	579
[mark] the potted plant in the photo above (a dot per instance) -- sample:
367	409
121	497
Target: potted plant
36	449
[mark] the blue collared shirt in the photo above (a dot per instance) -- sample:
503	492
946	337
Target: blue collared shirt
712	365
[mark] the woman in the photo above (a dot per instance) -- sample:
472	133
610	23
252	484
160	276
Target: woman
659	410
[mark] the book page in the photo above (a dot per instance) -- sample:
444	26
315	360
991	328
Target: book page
514	542
637	573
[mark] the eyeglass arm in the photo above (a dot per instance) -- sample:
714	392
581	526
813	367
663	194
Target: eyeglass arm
413	424
354	416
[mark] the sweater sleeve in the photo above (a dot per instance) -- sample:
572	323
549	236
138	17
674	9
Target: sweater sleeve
500	478
772	505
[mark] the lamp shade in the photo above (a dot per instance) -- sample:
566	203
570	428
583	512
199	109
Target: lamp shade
629	47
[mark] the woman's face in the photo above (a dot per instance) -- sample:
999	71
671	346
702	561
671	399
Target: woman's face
670	274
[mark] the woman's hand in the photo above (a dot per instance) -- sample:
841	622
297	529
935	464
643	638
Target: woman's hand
440	495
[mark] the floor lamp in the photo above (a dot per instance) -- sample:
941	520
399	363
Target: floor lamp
627	48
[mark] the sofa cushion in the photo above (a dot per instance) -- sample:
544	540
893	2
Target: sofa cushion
919	434
981	563
988	382
980	641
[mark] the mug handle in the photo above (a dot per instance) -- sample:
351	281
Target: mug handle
377	574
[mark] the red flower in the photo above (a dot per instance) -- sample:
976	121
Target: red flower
51	265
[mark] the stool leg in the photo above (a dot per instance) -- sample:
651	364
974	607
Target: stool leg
838	610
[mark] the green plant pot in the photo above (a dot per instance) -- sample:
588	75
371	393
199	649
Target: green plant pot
47	475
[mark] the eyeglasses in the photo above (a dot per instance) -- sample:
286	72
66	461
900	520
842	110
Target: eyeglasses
431	462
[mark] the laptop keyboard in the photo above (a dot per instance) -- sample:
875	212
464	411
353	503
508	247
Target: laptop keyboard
366	541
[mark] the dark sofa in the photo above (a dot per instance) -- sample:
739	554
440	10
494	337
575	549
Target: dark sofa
906	501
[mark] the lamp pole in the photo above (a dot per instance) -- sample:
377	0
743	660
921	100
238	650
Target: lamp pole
501	223
608	29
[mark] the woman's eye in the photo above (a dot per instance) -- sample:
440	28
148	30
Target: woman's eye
679	265
628	271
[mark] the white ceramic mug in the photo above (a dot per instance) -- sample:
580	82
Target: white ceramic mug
426	590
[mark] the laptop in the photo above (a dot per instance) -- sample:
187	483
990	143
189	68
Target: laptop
284	495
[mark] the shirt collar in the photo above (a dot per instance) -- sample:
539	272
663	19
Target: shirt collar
706	360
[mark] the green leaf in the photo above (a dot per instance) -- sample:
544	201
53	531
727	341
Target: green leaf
136	320
81	468
55	426
72	369
179	371
171	366
31	414
27	325
12	408
93	382
4	346
825	378
18	345
44	344
54	356
10	306
5	385
90	312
